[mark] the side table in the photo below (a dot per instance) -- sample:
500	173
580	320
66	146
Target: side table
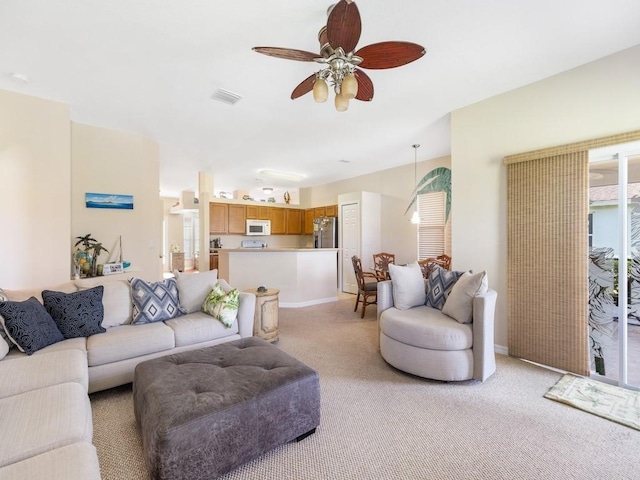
265	321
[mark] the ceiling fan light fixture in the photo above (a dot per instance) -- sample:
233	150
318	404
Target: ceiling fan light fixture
342	103
320	90
349	86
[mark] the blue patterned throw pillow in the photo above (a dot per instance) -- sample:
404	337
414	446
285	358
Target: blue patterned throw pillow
77	314
155	302
28	325
439	285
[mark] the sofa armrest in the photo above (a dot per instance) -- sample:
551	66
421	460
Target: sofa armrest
246	313
384	299
484	358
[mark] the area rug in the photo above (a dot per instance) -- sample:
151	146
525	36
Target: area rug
607	401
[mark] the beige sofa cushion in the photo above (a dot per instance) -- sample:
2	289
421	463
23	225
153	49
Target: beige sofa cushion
199	327
128	341
41	420
426	327
23	374
78	461
193	288
22	295
116	300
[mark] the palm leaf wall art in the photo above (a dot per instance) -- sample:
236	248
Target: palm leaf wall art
437	180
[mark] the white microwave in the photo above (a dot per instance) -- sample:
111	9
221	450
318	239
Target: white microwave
258	227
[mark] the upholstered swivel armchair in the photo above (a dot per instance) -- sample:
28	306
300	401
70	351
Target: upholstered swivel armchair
438	344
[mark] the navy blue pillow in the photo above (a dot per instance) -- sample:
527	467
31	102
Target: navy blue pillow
29	325
77	314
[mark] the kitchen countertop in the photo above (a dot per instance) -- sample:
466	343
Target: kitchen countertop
279	249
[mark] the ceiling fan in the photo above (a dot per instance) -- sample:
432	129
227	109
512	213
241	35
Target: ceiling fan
338	40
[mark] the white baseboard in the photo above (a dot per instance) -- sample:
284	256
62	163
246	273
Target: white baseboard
499	349
307	304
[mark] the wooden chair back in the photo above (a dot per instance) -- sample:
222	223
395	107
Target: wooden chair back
381	263
427	264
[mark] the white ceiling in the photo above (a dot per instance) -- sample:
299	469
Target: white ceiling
150	66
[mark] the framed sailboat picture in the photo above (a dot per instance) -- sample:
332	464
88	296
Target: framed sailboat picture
108	200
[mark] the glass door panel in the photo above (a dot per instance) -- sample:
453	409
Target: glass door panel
614	266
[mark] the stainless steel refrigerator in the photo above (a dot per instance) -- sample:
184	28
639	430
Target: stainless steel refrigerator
325	232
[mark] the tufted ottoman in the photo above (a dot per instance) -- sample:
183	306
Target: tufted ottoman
204	412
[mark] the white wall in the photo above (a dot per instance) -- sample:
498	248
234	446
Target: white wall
399	235
35	193
112	161
598	99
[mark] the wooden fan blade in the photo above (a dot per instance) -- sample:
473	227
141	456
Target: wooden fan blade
287	53
389	54
305	87
365	86
344	26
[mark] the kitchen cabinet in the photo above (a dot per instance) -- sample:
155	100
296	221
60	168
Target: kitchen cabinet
308	221
331	210
278	221
252	212
236	219
264	213
319	212
294	221
213	261
218	214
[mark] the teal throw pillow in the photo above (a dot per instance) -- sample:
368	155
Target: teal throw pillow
222	305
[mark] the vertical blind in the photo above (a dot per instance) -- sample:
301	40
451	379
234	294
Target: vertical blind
547	216
431	230
547	241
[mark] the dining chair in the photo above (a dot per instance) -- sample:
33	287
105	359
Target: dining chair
368	289
426	264
381	263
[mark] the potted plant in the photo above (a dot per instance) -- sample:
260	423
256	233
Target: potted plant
86	259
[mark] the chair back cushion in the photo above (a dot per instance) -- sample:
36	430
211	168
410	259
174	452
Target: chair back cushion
459	304
408	285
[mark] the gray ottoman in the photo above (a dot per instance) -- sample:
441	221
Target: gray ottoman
204	412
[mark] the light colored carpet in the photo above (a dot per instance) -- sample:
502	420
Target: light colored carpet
379	423
607	401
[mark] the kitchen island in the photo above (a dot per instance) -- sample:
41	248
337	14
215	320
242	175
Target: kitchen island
304	276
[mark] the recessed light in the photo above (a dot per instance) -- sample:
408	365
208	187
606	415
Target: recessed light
293	177
19	77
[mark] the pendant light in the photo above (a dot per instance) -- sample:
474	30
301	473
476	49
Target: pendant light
415	218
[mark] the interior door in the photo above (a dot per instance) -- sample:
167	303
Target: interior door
350	228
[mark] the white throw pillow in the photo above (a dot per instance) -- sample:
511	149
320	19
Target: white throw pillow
4	346
459	304
408	286
193	288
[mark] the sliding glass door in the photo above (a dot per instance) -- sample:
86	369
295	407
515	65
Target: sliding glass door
614	266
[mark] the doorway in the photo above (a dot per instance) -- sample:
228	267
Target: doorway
350	243
614	264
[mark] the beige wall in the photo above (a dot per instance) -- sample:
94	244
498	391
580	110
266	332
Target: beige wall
112	161
597	99
35	193
399	235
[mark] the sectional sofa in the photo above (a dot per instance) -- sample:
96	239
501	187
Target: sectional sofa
45	410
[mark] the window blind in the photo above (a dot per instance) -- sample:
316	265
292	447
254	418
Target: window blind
431	230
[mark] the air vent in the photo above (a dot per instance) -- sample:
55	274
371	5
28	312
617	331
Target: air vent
225	96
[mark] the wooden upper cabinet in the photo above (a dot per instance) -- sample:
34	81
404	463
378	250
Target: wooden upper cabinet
308	221
331	210
237	219
294	221
278	221
218	214
252	212
319	212
264	213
